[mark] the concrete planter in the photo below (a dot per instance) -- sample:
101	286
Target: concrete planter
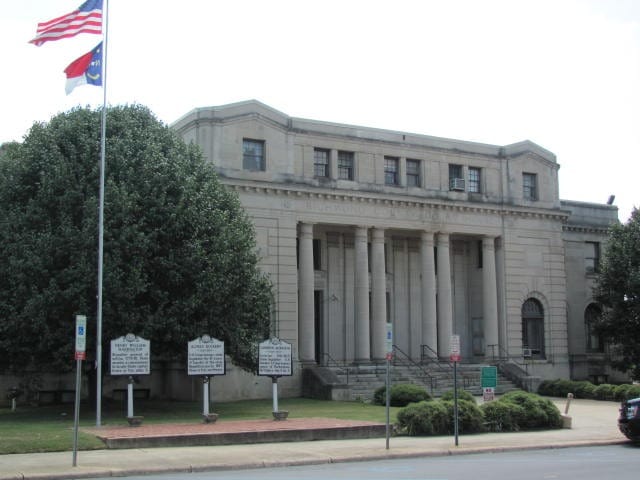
135	421
281	415
210	418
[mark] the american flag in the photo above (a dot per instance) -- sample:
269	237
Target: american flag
87	18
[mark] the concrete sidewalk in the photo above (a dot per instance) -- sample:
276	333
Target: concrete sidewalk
593	423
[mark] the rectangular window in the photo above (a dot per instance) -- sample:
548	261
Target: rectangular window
317	258
391	170
253	155
321	162
456	178
345	165
530	186
474	180
592	257
413	173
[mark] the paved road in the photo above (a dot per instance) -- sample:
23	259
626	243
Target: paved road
615	462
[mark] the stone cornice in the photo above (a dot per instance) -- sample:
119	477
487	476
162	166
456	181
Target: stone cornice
587	229
390	200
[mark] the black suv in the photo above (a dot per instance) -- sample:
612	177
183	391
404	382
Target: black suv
629	420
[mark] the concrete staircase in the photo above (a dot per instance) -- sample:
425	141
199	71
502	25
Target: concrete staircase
359	382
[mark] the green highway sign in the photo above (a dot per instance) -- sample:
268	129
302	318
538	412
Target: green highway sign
489	377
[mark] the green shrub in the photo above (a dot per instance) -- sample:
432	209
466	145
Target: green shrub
424	418
634	392
462	395
401	395
626	391
620	392
583	389
561	388
470	417
546	387
502	416
538	412
605	391
436	418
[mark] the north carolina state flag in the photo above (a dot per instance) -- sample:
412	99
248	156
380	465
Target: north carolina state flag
86	70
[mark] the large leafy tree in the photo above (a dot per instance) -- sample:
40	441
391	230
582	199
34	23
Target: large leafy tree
618	290
179	251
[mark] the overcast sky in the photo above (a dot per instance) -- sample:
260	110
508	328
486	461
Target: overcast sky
564	74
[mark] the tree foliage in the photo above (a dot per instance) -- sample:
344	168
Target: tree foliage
618	291
179	251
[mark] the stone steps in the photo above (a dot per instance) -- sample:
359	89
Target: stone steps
363	380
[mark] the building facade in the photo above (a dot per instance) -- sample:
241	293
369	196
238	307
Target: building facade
359	227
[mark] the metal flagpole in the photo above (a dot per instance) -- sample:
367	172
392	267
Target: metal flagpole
105	14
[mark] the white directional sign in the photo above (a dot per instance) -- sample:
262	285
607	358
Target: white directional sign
81	337
206	356
454	348
274	358
130	356
388	341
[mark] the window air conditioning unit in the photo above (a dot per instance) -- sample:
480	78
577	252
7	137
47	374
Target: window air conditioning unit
526	353
456	184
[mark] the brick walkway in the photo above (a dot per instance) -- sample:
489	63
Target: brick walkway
223	427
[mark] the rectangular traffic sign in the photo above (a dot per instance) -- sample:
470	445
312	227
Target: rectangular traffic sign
81	337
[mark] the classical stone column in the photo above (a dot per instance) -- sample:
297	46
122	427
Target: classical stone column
306	324
445	303
429	317
333	164
489	297
363	349
378	295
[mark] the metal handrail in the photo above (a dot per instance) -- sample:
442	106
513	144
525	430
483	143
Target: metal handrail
332	362
408	361
466	380
504	357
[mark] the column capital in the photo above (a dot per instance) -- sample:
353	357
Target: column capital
377	234
443	237
488	241
427	236
361	233
306	229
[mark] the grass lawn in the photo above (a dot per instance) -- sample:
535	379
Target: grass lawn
50	428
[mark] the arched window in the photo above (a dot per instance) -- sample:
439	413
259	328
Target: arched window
591	315
533	328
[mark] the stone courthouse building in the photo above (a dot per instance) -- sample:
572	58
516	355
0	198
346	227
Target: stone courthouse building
359	226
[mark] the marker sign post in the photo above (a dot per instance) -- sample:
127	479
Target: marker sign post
130	355
274	360
81	354
206	358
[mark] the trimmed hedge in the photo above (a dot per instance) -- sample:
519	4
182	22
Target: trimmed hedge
513	412
584	389
470	417
462	395
538	412
519	410
502	416
401	395
424	418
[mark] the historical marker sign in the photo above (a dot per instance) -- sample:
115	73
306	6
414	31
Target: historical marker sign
274	358
130	356
206	356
